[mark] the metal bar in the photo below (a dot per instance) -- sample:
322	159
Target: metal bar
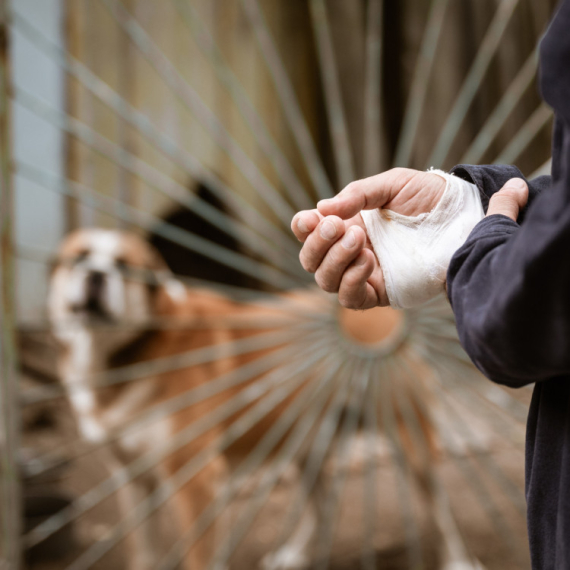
443	396
104	489
333	97
418	91
491	392
384	400
473	81
286	455
485	498
369	495
159	497
164	144
545	169
155	179
288	99
151	223
360	379
190	98
501	112
207	44
190	358
374	139
306	404
321	305
10	505
189	398
318	452
525	135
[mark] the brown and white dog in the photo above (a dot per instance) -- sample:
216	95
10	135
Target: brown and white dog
113	305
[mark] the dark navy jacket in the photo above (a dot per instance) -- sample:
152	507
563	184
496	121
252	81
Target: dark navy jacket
509	286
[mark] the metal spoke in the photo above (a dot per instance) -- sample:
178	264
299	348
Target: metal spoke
418	91
207	44
288	99
359	381
181	157
153	178
192	396
196	464
519	143
290	449
504	108
190	98
370	495
473	81
316	400
333	97
544	170
107	487
387	414
157	226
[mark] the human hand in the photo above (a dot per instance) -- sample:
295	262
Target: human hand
510	199
348	265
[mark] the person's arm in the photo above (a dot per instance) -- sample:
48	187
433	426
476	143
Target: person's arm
509	286
490	178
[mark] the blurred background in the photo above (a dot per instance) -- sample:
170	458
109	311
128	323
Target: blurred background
202	126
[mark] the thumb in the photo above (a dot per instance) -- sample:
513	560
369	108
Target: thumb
366	194
510	199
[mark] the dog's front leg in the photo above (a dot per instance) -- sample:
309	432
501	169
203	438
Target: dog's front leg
140	550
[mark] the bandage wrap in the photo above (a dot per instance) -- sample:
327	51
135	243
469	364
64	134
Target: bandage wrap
415	252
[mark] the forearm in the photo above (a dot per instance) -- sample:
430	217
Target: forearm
510	291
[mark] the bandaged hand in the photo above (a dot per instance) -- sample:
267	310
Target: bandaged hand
388	239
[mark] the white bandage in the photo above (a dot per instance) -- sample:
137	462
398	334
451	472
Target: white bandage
415	252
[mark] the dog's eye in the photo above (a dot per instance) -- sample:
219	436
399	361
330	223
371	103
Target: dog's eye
81	256
121	264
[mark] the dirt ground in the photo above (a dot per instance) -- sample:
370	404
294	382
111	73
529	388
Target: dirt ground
481	486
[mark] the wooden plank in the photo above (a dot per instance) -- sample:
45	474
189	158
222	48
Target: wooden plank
10	505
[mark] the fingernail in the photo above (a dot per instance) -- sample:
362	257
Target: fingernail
323	202
515	183
302	225
348	241
328	230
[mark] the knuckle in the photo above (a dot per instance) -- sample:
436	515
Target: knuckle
325	283
306	264
351	187
346	302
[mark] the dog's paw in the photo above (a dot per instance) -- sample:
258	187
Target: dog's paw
286	558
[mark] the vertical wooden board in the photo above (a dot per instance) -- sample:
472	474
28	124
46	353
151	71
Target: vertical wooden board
10	505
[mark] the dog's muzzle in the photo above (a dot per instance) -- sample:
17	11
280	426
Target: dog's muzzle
95	284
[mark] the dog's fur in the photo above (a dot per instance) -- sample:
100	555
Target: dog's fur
108	291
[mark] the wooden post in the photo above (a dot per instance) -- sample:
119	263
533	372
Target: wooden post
10	502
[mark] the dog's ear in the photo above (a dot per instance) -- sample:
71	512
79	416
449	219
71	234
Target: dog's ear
163	278
174	288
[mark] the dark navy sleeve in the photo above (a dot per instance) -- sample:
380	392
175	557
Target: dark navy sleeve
509	286
490	178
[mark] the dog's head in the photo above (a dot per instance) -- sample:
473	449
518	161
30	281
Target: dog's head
106	277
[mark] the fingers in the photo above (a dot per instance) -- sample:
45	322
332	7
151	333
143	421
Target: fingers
328	231
510	199
355	292
329	274
303	223
366	194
